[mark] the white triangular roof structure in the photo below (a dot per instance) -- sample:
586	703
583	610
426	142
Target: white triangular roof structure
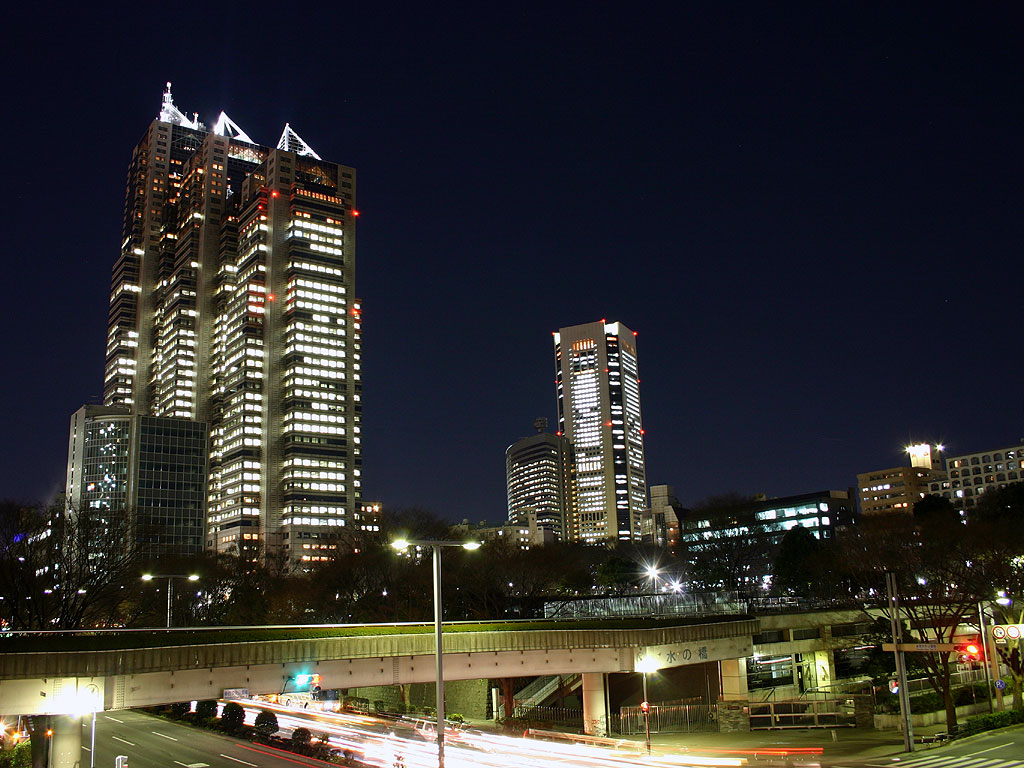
290	141
225	126
171	114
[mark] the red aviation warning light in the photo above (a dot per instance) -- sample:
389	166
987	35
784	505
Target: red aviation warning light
355	212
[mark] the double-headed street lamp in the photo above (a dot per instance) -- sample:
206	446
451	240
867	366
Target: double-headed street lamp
170	586
403	544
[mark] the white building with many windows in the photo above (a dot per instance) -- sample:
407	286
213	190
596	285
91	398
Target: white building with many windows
598	389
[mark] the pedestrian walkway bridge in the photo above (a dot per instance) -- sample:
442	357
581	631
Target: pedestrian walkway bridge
62	673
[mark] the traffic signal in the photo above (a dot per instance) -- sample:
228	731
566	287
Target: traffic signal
968	652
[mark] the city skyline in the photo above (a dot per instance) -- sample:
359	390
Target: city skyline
810	217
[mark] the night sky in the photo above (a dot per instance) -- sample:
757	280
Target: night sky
811	214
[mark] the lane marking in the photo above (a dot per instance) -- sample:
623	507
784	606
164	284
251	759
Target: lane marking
982	751
113	718
164	736
243	762
124	741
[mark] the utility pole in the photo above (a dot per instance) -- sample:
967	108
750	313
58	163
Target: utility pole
901	669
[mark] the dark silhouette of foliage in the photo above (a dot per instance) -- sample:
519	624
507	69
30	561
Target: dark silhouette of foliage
266	724
232	717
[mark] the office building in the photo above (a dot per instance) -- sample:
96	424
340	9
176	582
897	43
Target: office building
540	477
525	534
660	523
139	478
898	489
598	388
762	523
232	304
972	474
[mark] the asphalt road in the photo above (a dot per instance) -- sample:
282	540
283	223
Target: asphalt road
1000	749
151	742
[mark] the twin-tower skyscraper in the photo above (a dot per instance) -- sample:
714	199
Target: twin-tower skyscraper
233	307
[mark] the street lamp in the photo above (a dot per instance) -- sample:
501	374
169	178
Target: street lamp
403	544
645	665
170	586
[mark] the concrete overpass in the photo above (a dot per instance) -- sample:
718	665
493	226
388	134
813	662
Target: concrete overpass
182	665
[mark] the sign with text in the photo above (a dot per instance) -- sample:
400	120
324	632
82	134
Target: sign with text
920	647
1001	633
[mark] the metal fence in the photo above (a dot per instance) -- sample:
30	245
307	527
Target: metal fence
801	713
563	715
669	604
681	718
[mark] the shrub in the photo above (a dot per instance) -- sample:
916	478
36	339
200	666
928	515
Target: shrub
206	710
429	711
232	717
179	710
455	717
301	737
266	724
991	721
19	757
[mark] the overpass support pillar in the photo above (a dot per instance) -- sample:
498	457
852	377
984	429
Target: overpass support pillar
734	679
66	742
595	720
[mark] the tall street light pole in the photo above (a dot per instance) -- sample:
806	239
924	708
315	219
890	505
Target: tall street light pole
645	665
170	586
401	545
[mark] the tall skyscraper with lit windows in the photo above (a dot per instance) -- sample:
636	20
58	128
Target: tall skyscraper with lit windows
233	304
598	388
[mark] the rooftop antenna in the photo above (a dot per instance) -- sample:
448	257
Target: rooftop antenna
540	424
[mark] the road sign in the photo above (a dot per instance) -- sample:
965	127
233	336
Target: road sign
1001	684
920	647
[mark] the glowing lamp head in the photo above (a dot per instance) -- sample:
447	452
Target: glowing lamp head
193	577
147	577
471	545
400	544
647	664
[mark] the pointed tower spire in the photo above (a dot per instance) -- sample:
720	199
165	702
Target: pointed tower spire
290	141
225	126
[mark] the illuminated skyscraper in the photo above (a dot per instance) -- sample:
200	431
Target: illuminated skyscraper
539	473
233	304
598	390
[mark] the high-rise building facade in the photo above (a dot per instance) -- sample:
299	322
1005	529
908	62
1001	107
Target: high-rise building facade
233	304
598	389
140	477
540	477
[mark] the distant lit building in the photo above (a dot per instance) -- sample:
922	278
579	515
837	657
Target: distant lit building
898	489
140	476
660	523
764	522
598	389
972	474
523	535
540	478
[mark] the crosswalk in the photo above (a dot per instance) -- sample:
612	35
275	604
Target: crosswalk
936	761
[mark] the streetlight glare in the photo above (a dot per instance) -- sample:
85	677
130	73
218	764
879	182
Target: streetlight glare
471	545
647	664
147	577
193	577
400	544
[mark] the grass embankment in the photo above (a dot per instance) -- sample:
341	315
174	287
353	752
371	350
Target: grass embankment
85	640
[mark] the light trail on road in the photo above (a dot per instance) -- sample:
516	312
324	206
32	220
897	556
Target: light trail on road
412	743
